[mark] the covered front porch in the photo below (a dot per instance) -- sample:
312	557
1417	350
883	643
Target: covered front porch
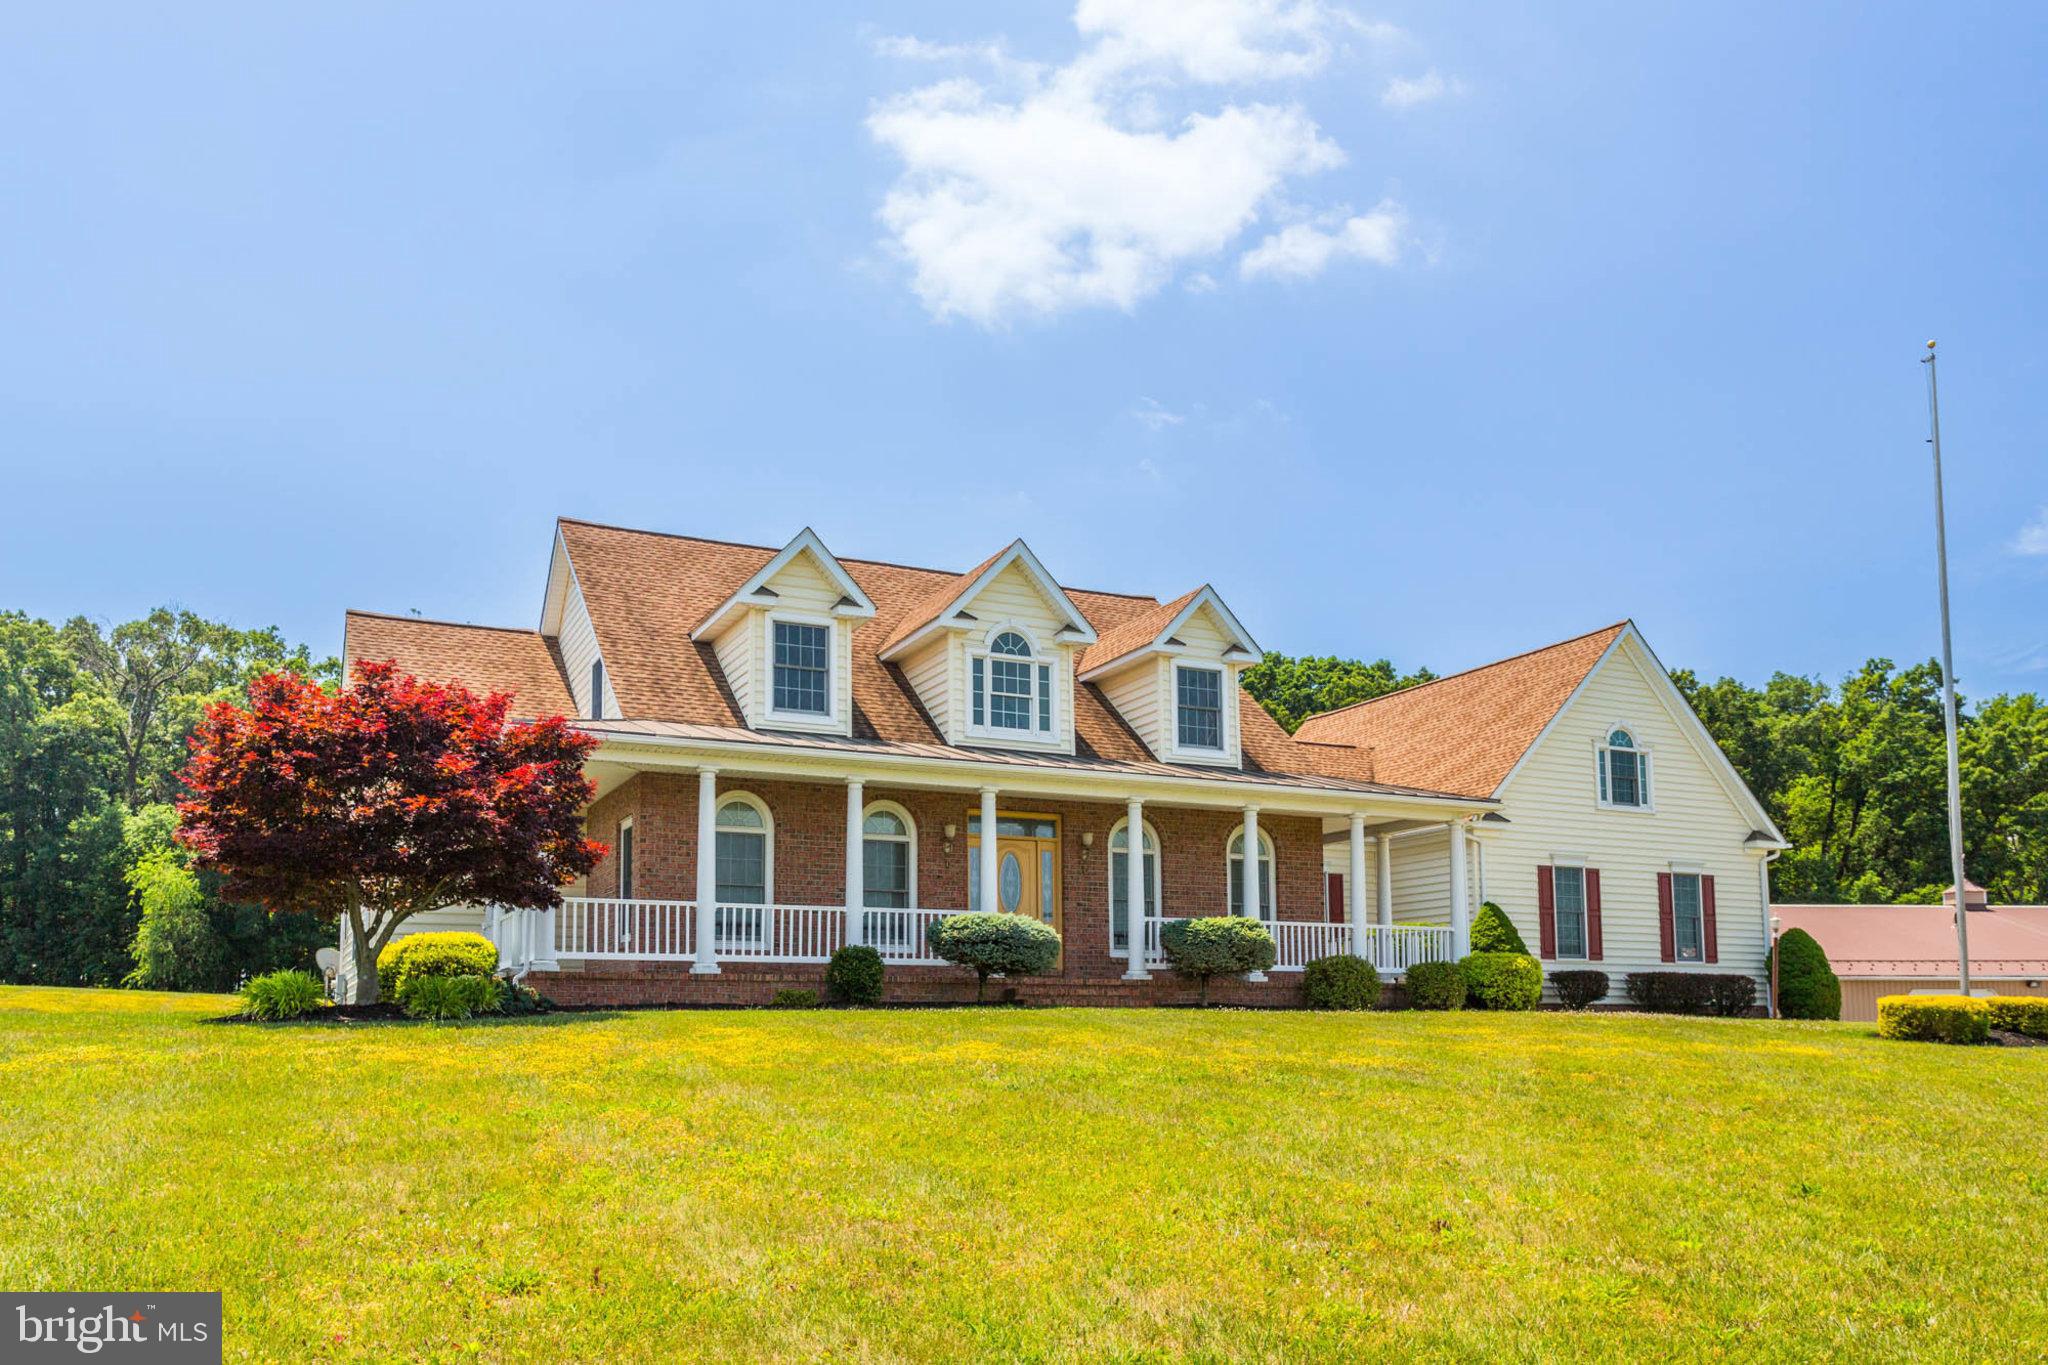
794	863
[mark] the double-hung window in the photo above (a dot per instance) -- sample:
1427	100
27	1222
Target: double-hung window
1010	690
803	669
1624	772
1199	707
1568	884
1688	926
1120	885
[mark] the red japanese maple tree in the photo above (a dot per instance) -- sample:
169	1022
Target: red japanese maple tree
387	798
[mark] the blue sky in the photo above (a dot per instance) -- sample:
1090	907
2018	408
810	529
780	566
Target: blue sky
1431	331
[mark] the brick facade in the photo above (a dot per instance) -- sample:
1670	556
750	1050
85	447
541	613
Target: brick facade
809	868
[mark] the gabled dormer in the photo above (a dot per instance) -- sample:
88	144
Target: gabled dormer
784	640
991	654
1172	674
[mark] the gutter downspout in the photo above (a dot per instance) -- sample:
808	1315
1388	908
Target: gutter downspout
1763	883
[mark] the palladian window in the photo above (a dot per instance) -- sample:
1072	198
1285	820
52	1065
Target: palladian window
1010	690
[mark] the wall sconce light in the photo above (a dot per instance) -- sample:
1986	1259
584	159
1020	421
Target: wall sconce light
1087	838
951	830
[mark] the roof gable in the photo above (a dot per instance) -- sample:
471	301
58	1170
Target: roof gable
950	599
757	591
1155	630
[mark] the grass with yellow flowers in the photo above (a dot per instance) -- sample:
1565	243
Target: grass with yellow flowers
947	1184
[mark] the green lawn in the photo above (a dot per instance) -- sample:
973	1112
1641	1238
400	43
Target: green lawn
940	1184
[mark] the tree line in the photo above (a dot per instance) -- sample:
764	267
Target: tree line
1853	773
94	724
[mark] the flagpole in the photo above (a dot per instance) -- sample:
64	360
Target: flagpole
1948	686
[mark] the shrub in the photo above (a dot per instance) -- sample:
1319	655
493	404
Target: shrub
1494	932
795	999
1502	981
994	944
451	954
514	998
854	976
449	997
1807	985
1933	1018
1578	989
1436	986
1342	982
2026	1014
282	995
1221	945
1730	995
175	946
1686	993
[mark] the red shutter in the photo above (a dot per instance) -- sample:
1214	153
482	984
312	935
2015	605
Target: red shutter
1707	919
1546	912
1334	893
1667	937
1593	946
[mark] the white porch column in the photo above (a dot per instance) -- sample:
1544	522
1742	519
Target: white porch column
1461	913
1250	908
1134	890
856	860
544	941
707	871
991	899
1385	857
1354	883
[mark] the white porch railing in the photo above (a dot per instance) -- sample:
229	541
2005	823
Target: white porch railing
1391	948
642	930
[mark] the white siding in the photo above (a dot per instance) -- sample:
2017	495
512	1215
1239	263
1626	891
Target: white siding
578	642
929	675
1553	807
746	648
1139	696
736	649
1422	879
1206	641
1012	598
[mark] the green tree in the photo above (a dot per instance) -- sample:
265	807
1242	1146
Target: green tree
1293	689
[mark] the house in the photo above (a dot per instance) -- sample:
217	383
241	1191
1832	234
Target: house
817	751
1621	837
1879	950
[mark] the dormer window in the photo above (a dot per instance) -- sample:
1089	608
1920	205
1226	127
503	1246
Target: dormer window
1624	771
803	668
597	689
1198	694
1011	690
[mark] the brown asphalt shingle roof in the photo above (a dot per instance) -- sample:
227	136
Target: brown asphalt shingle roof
1463	733
1134	634
645	591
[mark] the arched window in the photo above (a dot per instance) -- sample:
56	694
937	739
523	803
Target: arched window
1010	690
1266	911
1120	884
1624	771
889	857
745	867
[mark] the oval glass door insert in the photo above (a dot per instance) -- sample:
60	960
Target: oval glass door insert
1010	883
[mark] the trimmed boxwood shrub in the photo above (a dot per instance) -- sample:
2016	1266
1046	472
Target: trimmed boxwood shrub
1341	982
1729	995
1683	992
994	944
795	999
1494	932
1502	981
449	997
445	954
1577	989
1436	986
1222	945
2026	1014
1933	1018
1807	985
854	975
282	995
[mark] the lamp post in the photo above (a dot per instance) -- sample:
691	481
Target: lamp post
1948	686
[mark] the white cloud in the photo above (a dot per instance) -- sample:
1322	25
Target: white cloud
1154	416
1303	249
1405	92
1040	189
2033	537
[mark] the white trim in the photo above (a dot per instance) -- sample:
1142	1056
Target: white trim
1242	649
1158	881
1700	892
1603	781
1225	678
1585	953
1268	913
909	836
1045	666
1076	630
624	881
767	833
829	719
749	593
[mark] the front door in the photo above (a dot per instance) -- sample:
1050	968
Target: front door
1027	867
